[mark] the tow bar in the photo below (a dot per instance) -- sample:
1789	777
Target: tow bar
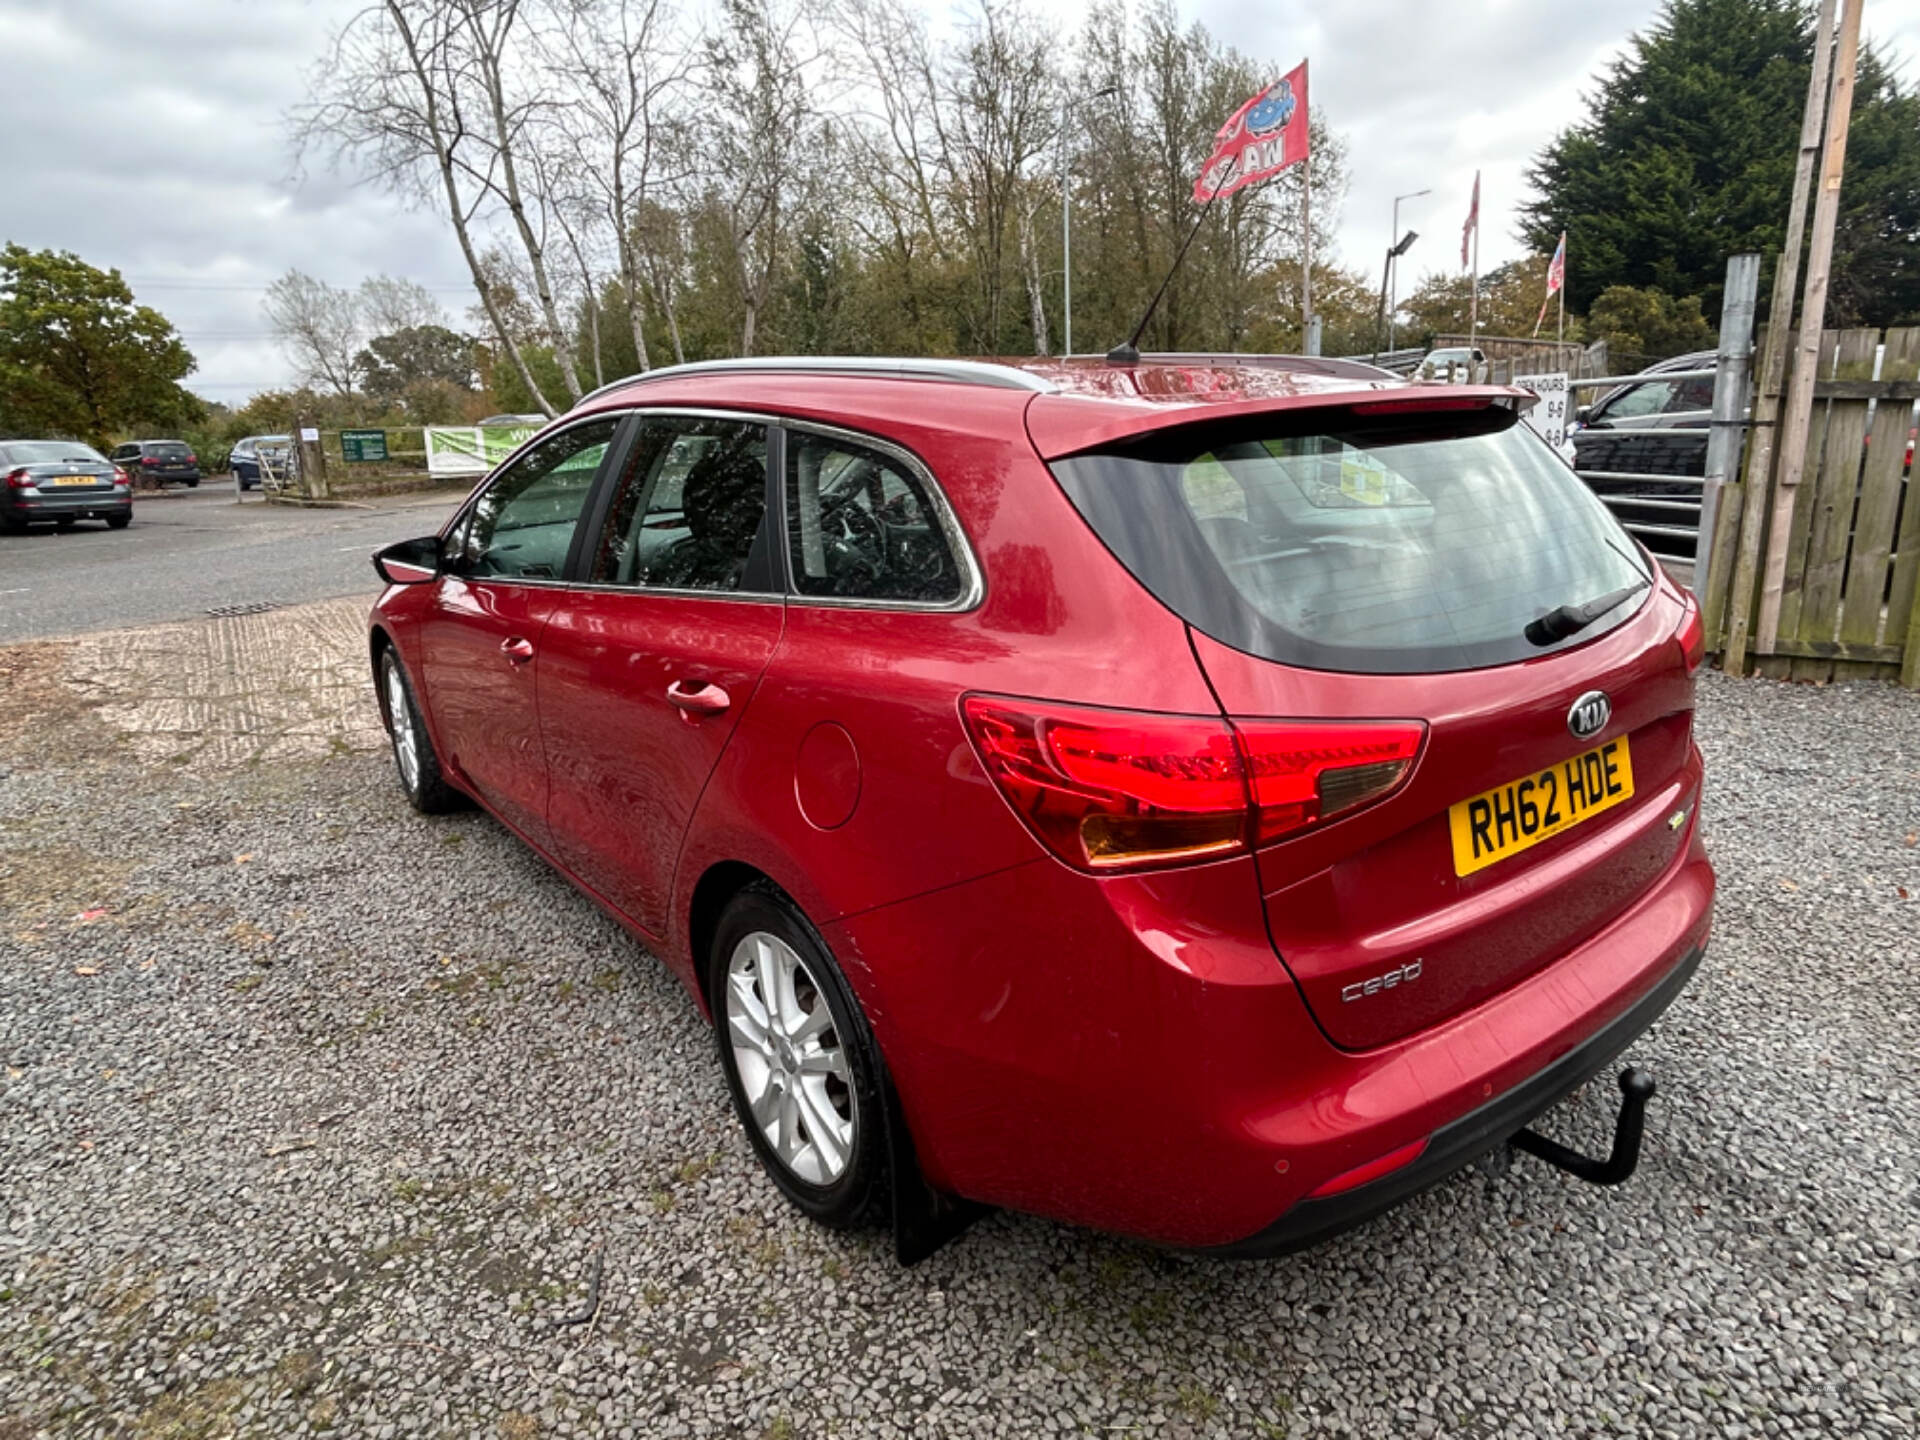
1636	1088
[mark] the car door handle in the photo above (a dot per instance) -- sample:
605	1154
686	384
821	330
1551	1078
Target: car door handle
696	704
517	650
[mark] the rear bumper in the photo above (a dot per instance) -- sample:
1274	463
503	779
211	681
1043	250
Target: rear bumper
55	506
1130	1055
1456	1145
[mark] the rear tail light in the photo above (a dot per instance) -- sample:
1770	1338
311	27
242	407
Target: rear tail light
1692	634
19	479
192	459
1373	1170
1113	790
120	477
148	460
1305	771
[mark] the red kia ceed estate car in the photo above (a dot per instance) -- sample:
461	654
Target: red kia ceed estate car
1205	799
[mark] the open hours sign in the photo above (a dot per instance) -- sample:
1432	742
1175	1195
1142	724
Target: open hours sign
363	444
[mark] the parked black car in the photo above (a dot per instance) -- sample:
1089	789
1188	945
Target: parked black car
60	482
1679	409
159	460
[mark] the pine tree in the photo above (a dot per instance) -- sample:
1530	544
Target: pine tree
1687	156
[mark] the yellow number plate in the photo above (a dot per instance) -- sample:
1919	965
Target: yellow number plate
1517	816
73	480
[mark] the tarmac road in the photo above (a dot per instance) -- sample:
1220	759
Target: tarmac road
190	551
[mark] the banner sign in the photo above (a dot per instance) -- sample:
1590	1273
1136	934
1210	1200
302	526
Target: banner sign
1264	137
363	444
472	449
1549	413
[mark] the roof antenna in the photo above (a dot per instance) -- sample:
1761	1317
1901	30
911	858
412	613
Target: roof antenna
1129	353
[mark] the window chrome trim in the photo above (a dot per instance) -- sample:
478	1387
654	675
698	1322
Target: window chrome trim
973	585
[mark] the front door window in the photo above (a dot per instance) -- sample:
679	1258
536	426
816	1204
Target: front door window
521	528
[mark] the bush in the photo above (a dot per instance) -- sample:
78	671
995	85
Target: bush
1648	322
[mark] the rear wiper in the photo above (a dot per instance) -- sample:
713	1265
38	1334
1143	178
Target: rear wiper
1564	620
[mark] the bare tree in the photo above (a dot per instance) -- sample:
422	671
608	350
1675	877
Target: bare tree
948	141
392	92
757	92
627	62
1003	98
388	305
491	30
318	325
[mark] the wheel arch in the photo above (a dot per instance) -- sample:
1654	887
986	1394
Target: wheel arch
379	641
712	893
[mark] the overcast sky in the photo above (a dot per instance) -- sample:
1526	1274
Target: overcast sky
148	135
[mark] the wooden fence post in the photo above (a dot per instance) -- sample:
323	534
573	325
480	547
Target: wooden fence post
312	460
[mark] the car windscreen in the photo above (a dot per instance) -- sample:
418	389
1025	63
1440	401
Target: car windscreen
49	452
1334	540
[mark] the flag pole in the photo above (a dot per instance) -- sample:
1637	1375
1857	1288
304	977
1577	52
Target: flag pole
1306	238
1473	311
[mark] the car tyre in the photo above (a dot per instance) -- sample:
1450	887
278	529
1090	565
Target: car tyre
119	522
413	756
804	1071
194	484
12	525
66	522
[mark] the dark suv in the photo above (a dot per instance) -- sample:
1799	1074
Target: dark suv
159	460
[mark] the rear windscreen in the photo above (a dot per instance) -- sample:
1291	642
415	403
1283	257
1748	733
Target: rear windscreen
49	452
171	450
1393	544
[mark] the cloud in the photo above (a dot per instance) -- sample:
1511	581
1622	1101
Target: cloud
151	138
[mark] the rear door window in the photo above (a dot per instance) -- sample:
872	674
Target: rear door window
861	524
522	525
1387	545
689	510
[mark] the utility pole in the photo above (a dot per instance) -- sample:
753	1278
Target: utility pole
1798	412
1773	360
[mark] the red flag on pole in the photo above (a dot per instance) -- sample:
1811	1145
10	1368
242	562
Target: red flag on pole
1473	220
1264	137
1556	278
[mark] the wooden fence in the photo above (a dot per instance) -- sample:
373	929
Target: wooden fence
1853	548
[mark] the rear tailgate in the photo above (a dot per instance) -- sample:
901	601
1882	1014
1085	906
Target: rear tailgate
1370	914
1417	556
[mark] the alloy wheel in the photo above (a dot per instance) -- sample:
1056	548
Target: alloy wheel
400	721
788	1055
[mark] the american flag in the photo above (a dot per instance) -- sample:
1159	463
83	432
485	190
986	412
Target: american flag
1557	267
1473	220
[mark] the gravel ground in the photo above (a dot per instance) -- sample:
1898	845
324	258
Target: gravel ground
316	1116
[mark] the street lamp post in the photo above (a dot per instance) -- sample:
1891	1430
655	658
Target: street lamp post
1394	252
1066	224
1393	294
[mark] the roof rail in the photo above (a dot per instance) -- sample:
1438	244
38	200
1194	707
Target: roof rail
1339	367
962	372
